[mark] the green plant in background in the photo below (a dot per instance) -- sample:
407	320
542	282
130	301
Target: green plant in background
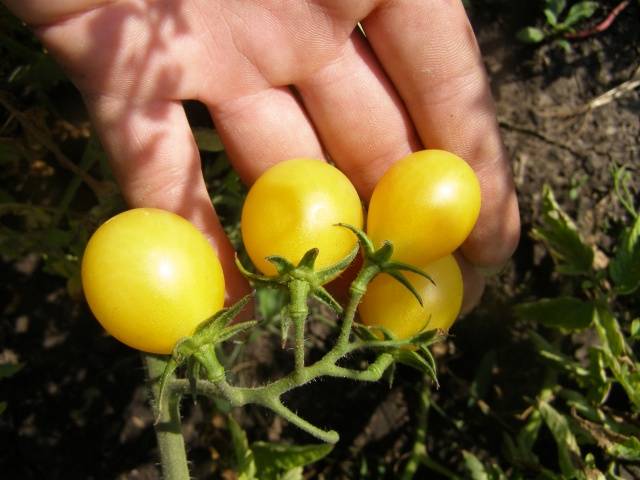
588	338
559	21
271	461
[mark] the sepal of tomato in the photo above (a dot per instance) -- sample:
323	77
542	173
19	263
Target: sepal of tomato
426	204
198	350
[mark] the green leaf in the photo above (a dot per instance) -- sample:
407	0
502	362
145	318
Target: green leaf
550	15
569	456
245	459
601	385
3	407
622	185
555	6
208	140
579	12
9	369
564	313
635	329
564	44
624	268
614	336
528	435
272	458
474	467
629	449
294	474
530	35
558	232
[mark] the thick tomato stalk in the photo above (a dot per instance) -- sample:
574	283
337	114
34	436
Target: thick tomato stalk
150	277
294	207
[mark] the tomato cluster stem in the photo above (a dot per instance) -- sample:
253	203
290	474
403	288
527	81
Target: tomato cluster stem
168	429
301	282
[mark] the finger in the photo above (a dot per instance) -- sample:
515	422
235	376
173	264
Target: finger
39	12
157	164
473	284
428	49
358	115
264	128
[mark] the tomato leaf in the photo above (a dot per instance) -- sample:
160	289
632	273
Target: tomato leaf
569	456
624	268
613	337
560	235
245	459
628	450
273	459
564	362
579	12
478	471
563	313
551	16
530	35
555	7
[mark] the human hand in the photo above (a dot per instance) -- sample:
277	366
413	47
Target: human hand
281	80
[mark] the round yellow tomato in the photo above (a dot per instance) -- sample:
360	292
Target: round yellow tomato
387	303
150	277
295	206
426	204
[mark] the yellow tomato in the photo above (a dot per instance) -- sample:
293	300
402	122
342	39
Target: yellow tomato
150	277
295	206
426	204
389	304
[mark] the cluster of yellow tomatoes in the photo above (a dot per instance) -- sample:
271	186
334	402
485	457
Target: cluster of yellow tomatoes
150	277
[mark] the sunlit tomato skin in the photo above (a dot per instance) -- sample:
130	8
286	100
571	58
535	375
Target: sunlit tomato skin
389	304
426	204
150	277
295	206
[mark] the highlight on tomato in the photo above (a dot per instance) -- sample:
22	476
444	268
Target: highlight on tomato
387	303
150	277
426	204
293	207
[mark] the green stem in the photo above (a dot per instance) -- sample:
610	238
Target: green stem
328	436
373	372
298	310
173	456
358	289
419	451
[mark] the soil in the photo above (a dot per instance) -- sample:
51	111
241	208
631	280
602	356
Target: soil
77	410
